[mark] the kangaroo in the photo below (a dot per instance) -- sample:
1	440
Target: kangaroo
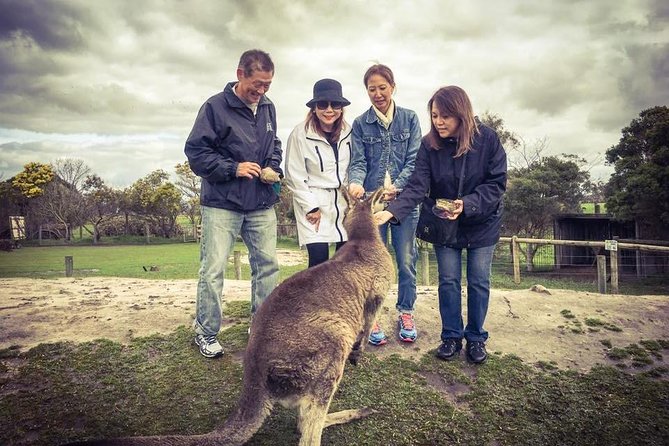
336	302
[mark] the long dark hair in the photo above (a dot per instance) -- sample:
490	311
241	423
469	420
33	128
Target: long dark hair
453	101
315	123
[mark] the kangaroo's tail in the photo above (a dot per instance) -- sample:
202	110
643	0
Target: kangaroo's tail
245	420
253	407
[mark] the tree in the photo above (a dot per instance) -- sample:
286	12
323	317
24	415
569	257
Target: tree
189	185
156	200
63	204
32	180
102	202
509	140
48	197
72	171
639	187
537	193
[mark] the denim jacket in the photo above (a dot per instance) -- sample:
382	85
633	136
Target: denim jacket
377	150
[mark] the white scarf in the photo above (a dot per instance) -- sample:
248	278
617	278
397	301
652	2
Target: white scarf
386	118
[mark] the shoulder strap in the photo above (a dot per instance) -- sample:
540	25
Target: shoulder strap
462	175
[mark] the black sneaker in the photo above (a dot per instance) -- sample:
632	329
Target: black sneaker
449	349
476	351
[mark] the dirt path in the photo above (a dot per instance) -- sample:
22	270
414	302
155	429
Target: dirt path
526	323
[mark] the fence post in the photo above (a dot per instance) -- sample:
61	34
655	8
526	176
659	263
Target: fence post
601	274
425	267
238	265
516	259
69	266
614	271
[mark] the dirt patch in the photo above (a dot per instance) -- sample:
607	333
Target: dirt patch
529	324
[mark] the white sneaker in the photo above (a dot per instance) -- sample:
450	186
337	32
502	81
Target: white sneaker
209	346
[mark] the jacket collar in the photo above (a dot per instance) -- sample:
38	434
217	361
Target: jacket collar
234	101
371	117
312	134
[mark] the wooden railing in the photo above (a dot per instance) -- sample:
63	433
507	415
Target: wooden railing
613	246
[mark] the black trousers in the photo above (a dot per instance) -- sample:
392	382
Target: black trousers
320	252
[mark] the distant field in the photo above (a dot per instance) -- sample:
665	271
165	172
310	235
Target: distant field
174	261
589	208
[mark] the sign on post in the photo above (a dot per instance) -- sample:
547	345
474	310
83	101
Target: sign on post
611	245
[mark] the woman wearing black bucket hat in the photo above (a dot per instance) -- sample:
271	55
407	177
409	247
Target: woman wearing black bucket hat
317	156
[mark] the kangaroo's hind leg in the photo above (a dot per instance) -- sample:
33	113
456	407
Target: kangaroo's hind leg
314	404
311	420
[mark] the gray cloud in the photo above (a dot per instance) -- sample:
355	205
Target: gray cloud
138	71
51	25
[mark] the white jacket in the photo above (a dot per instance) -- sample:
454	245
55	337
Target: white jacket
314	172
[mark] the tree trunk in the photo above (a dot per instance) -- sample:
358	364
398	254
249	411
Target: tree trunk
530	257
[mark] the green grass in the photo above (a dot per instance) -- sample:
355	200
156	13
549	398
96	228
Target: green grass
161	385
174	260
181	261
589	208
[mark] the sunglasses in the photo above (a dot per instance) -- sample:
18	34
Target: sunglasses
323	105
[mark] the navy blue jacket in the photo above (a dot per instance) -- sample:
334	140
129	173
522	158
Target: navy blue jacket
437	174
225	134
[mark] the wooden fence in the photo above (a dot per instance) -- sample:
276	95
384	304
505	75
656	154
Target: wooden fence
612	246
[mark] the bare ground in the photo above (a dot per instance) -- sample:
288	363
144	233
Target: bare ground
526	323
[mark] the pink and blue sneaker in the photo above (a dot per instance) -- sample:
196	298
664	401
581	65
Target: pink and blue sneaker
377	336
407	328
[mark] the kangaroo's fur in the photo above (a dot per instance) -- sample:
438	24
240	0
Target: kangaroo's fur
301	337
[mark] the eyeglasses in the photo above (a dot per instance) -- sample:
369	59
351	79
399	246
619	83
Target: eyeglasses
323	105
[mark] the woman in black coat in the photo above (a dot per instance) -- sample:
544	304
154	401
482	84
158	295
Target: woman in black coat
457	137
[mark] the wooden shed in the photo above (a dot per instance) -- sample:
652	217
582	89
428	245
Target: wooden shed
591	227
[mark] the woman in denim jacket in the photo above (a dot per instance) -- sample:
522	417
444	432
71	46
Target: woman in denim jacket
385	143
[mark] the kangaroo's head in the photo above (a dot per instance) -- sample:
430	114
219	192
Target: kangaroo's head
359	220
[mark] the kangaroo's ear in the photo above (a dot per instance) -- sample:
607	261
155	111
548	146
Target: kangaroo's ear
375	199
344	192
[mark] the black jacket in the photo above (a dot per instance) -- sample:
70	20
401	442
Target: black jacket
437	174
226	133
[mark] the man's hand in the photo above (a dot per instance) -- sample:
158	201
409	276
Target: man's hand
269	176
248	169
356	190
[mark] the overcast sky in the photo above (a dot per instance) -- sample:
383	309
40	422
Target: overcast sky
119	83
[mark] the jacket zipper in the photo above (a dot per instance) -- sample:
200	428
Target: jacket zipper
336	205
336	155
320	158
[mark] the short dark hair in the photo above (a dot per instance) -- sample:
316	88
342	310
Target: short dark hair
255	60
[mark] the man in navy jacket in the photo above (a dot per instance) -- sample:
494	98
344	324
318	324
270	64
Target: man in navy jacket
234	148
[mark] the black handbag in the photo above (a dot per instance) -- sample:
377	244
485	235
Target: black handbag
435	230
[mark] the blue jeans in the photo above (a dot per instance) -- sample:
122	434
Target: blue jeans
479	262
403	239
220	228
